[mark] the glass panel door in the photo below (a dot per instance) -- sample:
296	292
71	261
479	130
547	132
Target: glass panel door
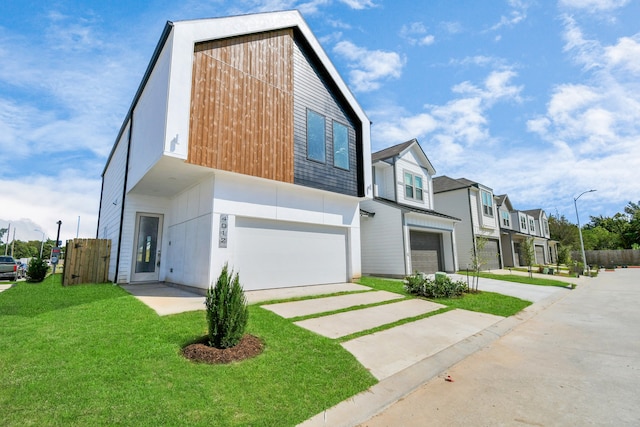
147	248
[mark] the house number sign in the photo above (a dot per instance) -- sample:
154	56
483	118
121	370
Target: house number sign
224	229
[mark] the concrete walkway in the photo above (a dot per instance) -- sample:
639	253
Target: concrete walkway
403	357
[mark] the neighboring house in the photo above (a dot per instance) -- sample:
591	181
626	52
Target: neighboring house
401	232
474	204
244	146
517	226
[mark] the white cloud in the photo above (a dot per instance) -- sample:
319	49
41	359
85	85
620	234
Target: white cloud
458	124
416	34
63	197
625	54
369	67
594	5
359	4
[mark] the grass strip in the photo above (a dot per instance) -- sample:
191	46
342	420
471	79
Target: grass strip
523	279
306	297
346	309
95	355
393	324
486	302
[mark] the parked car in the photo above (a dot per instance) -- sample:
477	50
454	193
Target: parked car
8	268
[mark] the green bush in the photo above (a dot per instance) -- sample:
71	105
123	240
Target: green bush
37	270
227	311
441	287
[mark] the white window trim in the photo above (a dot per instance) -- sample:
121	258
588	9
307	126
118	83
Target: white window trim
413	186
489	208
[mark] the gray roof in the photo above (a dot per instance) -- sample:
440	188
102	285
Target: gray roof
534	212
391	151
444	183
417	210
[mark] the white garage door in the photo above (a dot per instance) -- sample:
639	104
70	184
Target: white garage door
276	254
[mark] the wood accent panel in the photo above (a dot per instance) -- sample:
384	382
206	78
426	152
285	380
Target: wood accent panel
242	105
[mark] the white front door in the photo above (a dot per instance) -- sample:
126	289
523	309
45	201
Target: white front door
146	250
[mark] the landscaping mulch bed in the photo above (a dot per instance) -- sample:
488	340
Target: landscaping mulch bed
248	347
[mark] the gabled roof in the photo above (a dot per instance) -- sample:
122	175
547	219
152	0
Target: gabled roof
503	199
537	213
445	183
180	37
400	149
406	208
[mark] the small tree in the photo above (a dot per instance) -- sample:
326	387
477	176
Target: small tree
37	270
478	259
528	253
227	311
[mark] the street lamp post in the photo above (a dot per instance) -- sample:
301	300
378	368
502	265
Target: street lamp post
575	204
41	242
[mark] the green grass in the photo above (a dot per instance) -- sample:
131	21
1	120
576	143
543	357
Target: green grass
523	279
390	285
484	302
94	355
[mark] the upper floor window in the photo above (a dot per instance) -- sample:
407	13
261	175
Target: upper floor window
316	137
545	224
523	223
505	219
487	203
340	145
532	225
413	186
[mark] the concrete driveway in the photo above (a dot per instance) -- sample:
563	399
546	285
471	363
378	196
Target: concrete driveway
576	363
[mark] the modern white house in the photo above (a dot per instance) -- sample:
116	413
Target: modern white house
516	226
401	232
474	204
243	145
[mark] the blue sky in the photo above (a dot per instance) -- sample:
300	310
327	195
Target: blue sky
536	99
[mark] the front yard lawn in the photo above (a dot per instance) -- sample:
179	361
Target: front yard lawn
94	355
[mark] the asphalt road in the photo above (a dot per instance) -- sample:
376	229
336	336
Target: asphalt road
575	363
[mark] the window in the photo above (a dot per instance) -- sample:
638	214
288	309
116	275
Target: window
340	146
505	219
487	203
523	223
413	186
545	223
316	137
532	225
408	185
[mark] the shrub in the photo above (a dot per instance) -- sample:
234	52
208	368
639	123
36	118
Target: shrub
441	287
227	311
37	270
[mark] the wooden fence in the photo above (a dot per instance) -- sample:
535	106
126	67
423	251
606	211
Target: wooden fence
610	258
86	261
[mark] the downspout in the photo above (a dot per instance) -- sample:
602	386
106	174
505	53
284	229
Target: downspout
124	194
473	234
100	208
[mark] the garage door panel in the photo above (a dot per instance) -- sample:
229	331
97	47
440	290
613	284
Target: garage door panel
273	254
539	254
490	255
425	252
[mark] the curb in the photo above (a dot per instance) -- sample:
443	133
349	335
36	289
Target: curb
365	405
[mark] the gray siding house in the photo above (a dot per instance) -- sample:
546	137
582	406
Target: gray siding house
401	230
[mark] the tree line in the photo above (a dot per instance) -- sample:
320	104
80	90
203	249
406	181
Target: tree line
19	249
620	231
